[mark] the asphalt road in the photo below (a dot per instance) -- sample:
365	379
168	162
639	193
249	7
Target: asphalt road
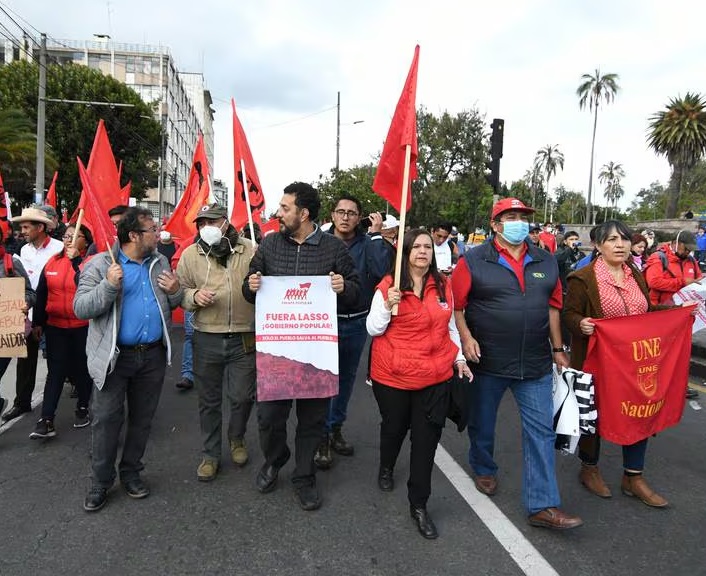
227	527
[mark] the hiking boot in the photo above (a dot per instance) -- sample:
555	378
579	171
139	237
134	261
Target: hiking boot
590	477
81	418
239	452
323	457
637	487
339	444
43	429
207	470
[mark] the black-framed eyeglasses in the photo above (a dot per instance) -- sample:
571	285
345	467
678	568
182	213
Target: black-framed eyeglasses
71	236
346	213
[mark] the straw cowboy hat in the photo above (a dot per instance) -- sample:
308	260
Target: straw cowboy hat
33	215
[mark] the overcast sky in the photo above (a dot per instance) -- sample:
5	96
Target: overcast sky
521	60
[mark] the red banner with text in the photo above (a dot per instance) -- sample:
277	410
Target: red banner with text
640	366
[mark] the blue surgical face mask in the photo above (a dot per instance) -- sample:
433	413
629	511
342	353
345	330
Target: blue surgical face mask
515	231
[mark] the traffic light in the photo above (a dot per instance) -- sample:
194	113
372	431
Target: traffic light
496	152
496	138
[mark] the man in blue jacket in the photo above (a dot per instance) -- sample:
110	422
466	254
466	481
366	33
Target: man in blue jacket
372	257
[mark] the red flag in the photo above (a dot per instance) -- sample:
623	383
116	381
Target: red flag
181	224
4	211
403	132
125	193
51	194
103	170
640	365
95	214
65	215
243	156
269	227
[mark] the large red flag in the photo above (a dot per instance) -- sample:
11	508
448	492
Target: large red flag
4	223
640	366
243	157
103	169
95	214
51	194
181	224
125	193
403	132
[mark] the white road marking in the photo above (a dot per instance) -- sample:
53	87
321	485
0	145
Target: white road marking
521	550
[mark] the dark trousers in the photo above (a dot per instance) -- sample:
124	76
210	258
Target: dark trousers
402	410
633	454
137	377
311	421
66	356
27	375
215	355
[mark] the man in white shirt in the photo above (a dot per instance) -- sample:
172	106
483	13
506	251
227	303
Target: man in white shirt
40	247
445	252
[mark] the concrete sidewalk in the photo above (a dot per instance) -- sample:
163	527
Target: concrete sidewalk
7	388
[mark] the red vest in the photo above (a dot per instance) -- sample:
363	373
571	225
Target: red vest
61	288
416	350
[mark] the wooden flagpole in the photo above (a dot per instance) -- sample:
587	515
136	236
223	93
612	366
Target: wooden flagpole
403	218
78	228
247	200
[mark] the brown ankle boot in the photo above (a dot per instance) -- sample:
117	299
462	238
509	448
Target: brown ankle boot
590	477
637	487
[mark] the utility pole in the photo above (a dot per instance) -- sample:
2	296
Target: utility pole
338	129
41	121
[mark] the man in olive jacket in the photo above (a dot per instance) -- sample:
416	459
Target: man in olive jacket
212	271
300	248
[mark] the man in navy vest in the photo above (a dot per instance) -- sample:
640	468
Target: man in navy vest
507	300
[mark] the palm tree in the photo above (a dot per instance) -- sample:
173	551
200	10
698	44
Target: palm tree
610	175
594	89
679	133
547	160
18	142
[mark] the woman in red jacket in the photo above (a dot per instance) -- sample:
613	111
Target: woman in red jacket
65	334
413	358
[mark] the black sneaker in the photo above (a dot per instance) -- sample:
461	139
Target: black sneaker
185	384
43	429
81	418
308	497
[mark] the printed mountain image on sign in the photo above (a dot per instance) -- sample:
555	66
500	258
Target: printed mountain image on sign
280	378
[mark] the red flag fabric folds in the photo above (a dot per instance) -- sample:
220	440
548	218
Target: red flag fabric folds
403	132
640	366
181	223
95	214
241	151
103	169
51	194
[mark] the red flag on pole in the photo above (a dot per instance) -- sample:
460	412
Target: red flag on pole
4	211
181	224
125	193
103	169
402	133
95	214
243	163
51	194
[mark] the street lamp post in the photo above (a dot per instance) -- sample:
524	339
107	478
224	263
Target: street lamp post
338	129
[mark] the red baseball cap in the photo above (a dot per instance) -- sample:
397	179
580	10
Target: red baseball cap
507	204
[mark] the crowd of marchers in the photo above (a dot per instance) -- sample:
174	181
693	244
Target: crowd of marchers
451	326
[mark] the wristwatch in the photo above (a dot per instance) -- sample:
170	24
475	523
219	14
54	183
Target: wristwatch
564	348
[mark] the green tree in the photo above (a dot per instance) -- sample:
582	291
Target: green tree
593	90
18	148
679	134
648	203
547	160
70	128
570	206
357	181
610	176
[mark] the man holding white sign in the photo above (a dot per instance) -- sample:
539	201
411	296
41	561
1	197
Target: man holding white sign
300	248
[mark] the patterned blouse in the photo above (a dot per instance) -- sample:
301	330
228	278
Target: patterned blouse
617	300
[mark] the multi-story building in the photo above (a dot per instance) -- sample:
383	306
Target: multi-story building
182	102
220	192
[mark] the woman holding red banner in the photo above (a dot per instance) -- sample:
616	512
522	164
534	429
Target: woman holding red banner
609	287
411	383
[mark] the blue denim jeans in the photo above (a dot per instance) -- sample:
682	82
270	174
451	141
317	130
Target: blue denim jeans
534	399
352	335
187	356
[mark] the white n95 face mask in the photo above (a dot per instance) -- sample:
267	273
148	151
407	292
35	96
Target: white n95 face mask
164	235
211	235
